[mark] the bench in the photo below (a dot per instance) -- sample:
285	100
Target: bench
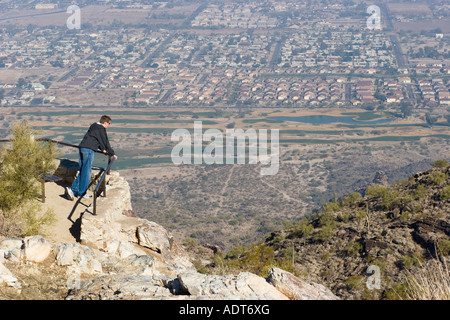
48	178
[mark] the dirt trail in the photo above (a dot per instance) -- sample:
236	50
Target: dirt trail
67	213
224	189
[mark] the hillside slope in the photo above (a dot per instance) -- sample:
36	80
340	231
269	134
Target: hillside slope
396	228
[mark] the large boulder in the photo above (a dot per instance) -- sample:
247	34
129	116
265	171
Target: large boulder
80	257
189	285
36	248
296	289
153	236
244	286
115	287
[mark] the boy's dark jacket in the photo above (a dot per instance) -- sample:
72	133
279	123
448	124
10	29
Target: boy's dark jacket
96	139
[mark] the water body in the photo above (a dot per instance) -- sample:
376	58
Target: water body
320	119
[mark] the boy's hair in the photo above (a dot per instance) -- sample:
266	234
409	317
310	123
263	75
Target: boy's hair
104	119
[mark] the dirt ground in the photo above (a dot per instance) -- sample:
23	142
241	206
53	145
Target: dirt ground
99	15
67	214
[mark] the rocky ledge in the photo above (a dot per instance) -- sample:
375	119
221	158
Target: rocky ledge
121	256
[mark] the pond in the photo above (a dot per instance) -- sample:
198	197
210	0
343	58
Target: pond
321	119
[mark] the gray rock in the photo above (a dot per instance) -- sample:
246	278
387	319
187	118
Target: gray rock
143	264
81	257
153	236
245	285
118	287
11	243
11	249
296	289
6	277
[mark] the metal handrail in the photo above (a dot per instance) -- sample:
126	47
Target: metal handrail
58	142
67	144
100	182
103	174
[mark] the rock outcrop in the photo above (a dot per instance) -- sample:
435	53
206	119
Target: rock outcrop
296	289
121	256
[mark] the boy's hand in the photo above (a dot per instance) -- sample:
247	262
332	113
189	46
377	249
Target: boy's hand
114	156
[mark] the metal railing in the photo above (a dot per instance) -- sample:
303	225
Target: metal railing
101	182
103	172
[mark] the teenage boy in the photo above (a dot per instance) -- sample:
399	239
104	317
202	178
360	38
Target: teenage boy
95	139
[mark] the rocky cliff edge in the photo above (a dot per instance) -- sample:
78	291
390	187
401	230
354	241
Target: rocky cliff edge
121	256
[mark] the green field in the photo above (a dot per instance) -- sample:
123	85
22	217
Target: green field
143	136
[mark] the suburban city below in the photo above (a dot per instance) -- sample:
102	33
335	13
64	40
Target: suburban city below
223	53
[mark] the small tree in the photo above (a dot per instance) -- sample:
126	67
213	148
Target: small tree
406	108
430	119
22	165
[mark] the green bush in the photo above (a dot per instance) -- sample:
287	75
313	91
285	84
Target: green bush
445	193
387	196
303	228
327	225
332	207
377	191
22	163
420	192
440	163
414	259
351	199
353	248
437	178
443	246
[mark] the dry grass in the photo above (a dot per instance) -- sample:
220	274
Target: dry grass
430	282
38	281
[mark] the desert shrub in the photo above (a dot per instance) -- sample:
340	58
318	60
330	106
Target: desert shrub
405	215
354	282
351	198
332	207
387	196
360	215
377	191
443	246
34	218
22	163
420	192
353	248
327	225
303	228
440	163
413	259
259	259
445	193
437	178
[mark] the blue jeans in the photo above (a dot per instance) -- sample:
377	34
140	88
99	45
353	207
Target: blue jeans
81	183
